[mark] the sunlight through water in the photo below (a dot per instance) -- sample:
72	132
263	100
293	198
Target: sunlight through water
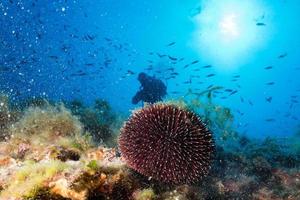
229	27
227	33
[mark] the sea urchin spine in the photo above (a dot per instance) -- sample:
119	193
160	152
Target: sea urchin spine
167	143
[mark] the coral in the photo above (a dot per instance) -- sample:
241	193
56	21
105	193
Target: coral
167	143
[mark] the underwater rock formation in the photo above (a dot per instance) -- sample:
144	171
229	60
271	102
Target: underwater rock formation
99	120
50	156
167	143
7	117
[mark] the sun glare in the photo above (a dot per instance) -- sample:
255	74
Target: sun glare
228	26
226	33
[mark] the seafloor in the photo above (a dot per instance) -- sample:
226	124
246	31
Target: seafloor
68	150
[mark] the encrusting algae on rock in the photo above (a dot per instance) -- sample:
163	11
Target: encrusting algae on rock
7	117
48	154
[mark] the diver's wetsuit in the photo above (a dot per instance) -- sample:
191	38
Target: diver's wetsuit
151	90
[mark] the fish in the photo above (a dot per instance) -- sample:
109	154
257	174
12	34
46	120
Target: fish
170	69
210	75
53	57
196	70
210	86
236	76
107	39
89	64
260	24
188	82
161	55
79	74
89	37
282	55
241	113
269	67
250	102
129	72
270	120
195	11
172	58
174	73
171	44
270	83
185	66
233	92
207	66
269	99
242	99
175	92
228	90
194	62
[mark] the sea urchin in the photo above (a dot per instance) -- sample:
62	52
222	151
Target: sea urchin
167	143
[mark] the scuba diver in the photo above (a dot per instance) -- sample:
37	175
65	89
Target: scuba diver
152	89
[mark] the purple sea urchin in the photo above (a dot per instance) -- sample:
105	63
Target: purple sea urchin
167	143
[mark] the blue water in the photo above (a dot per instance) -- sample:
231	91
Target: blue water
64	50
